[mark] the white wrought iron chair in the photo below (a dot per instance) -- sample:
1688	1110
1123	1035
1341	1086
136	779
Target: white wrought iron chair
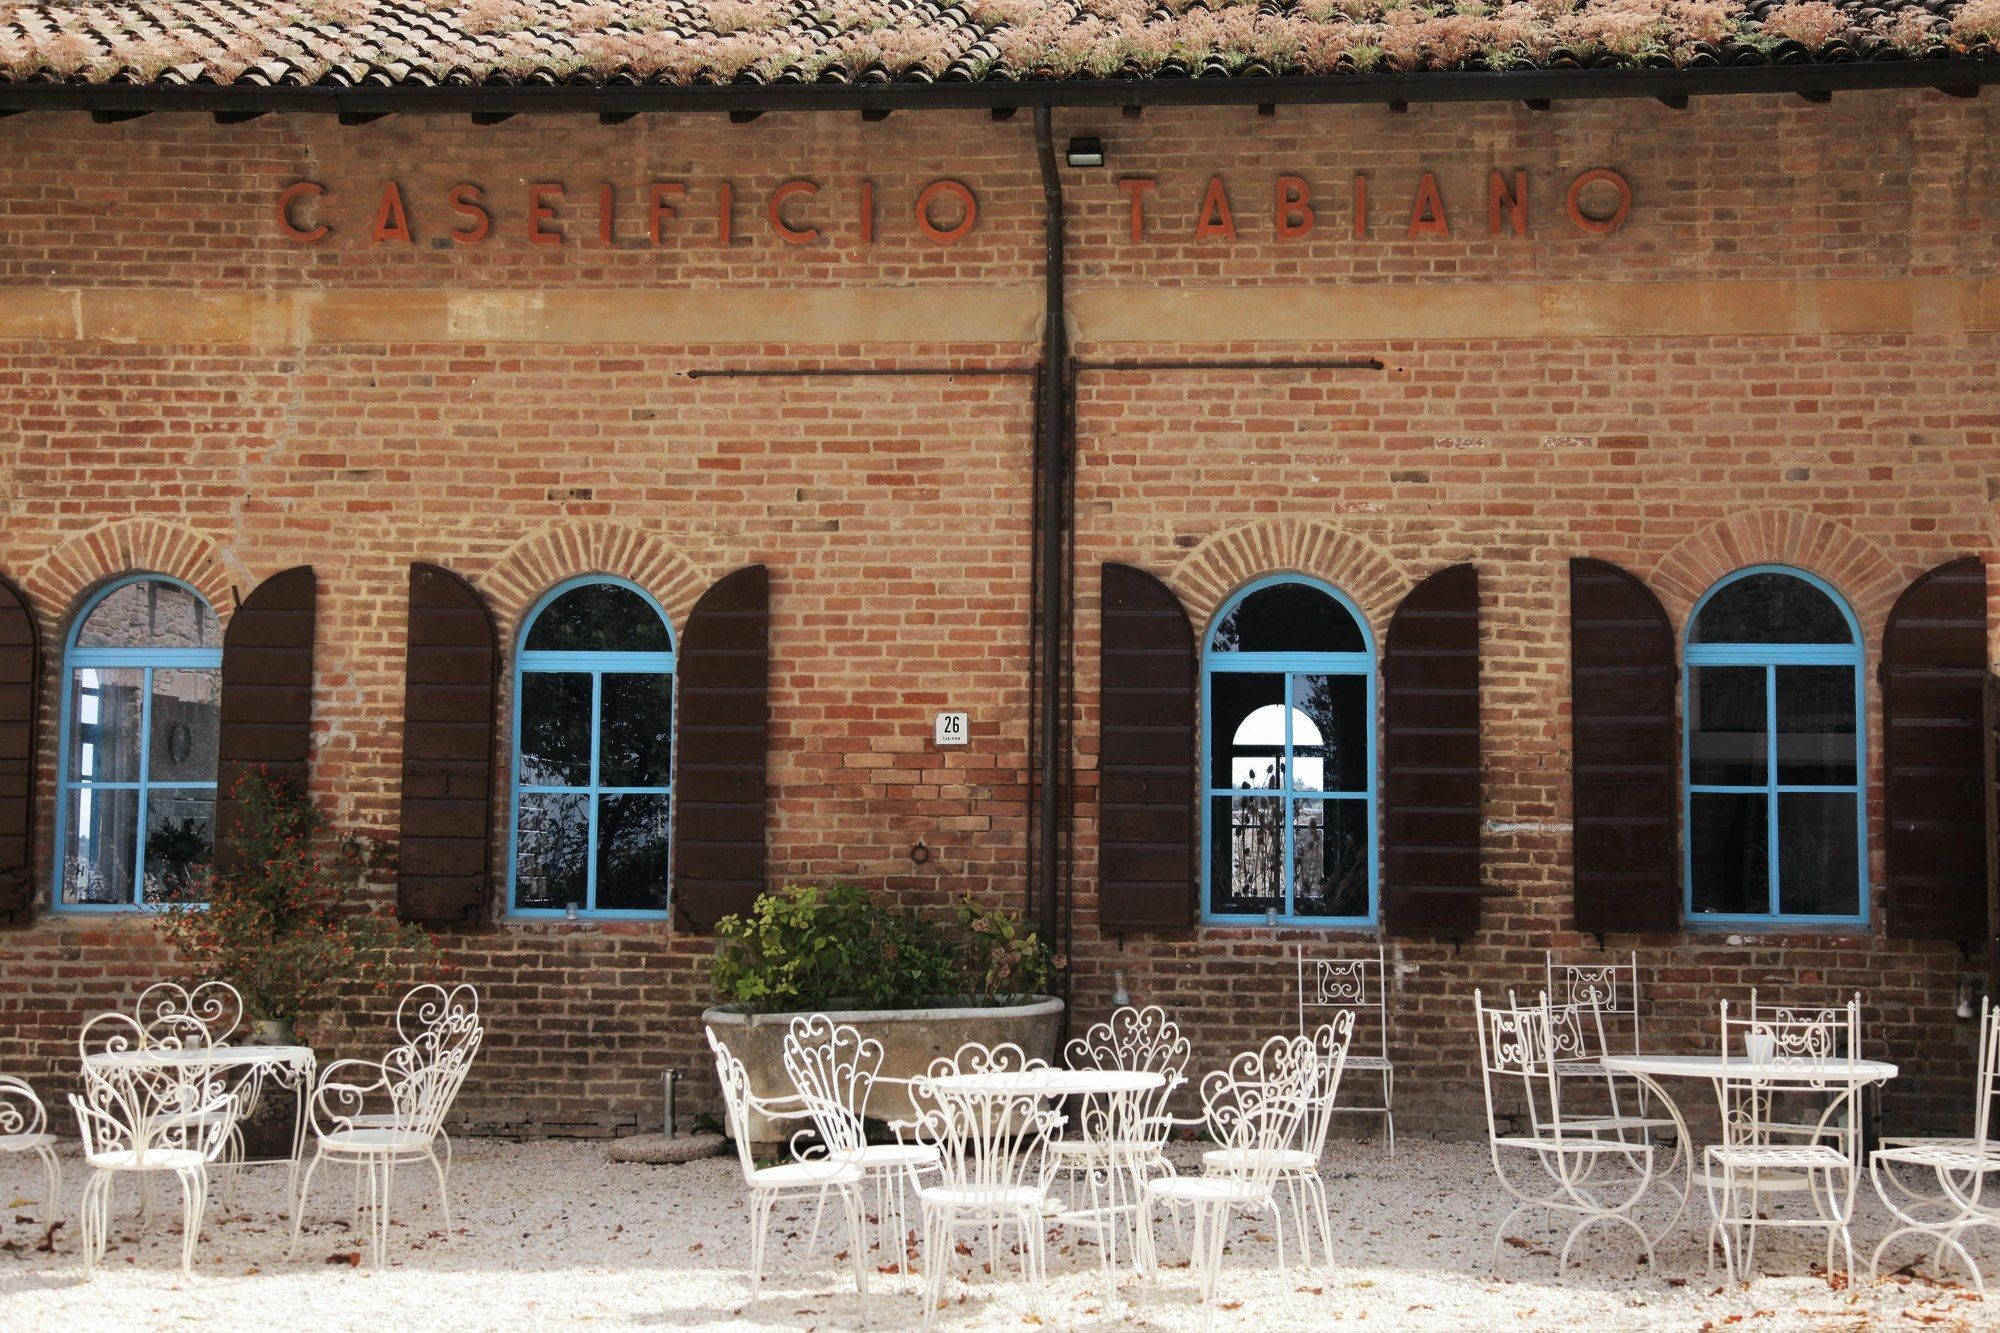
1298	1164
1844	1123
1252	1107
218	1007
153	1105
1105	1157
1959	1167
1581	1175
768	1184
1748	1166
992	1161
1356	983
833	1065
24	1128
410	1091
1592	1006
430	1020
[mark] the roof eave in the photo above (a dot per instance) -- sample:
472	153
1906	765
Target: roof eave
1553	85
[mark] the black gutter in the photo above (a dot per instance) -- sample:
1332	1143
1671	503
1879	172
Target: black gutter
1050	562
1957	74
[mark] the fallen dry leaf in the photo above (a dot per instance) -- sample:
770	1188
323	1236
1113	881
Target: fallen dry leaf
352	1258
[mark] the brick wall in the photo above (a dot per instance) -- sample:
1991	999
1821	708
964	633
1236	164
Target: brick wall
1805	377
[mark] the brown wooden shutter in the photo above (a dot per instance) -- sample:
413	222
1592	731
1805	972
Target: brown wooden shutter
1430	759
1147	859
1992	748
1623	748
1933	761
20	694
721	744
450	668
267	666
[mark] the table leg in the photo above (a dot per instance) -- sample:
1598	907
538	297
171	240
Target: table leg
1683	1149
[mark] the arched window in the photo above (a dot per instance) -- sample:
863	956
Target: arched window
141	704
1288	740
593	757
1776	826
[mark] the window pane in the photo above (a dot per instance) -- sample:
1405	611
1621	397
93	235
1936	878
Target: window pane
555	729
187	708
1818	851
1730	842
104	707
1330	733
1771	608
100	832
180	829
1816	726
1246	729
551	848
1729	726
632	853
634	730
599	617
1330	858
1288	618
1246	854
149	614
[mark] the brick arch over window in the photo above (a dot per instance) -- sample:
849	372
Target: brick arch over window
1862	571
543	559
1229	559
60	581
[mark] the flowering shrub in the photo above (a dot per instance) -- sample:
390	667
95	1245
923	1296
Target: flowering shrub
284	927
1977	20
1810	23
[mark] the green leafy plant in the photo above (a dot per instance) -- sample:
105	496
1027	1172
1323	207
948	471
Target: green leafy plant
283	924
813	947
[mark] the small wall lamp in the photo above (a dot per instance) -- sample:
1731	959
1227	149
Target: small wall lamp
1085	150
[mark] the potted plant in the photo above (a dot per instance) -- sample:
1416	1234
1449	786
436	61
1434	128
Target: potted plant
920	984
283	925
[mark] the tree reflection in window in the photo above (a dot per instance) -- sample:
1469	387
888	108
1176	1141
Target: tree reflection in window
593	753
1774	799
1289	740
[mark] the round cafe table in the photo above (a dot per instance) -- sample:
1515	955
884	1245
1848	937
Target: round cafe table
289	1067
1835	1075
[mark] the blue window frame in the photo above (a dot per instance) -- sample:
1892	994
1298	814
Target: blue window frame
141	708
1288	758
1774	803
589	829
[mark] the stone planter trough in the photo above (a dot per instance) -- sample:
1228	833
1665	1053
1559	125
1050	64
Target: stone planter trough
911	1039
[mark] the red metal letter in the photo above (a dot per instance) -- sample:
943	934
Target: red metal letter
391	222
1215	219
1612	221
725	213
946	236
1516	204
1427	210
868	212
1136	189
294	192
787	233
1360	207
607	201
468	201
1292	206
540	212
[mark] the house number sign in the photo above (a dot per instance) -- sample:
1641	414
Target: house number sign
951	729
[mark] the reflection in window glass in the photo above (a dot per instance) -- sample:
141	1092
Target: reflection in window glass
1289	735
142	703
1774	753
593	758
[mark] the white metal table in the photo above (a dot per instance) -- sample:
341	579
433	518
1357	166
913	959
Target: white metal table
1837	1074
289	1067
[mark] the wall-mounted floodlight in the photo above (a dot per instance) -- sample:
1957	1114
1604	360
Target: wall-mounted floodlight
1086	150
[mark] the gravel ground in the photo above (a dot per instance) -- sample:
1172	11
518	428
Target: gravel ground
550	1233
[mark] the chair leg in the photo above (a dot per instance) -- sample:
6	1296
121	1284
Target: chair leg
194	1202
52	1172
299	1201
444	1193
1388	1105
850	1197
760	1226
819	1210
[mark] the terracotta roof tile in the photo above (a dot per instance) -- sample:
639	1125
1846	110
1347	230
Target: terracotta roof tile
416	43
